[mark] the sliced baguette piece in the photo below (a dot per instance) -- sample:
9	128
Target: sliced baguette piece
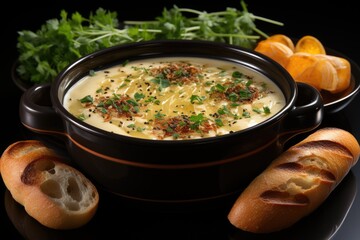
296	183
51	191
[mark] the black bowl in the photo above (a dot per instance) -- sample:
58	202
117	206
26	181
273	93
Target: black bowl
172	170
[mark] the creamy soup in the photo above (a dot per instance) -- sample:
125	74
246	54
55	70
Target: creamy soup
174	98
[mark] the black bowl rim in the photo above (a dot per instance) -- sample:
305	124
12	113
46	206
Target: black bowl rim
99	132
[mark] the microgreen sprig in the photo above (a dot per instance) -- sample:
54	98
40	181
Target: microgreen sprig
231	26
59	42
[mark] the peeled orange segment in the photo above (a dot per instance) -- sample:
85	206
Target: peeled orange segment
309	44
343	70
318	72
275	50
281	38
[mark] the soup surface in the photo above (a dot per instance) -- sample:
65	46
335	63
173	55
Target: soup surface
174	98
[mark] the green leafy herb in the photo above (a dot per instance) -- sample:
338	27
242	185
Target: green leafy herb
139	96
196	121
81	117
231	26
197	99
87	99
59	42
161	81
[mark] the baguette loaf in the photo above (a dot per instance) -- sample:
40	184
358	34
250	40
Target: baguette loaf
51	191
296	182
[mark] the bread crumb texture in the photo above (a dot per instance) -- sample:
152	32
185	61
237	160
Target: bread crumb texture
51	191
61	183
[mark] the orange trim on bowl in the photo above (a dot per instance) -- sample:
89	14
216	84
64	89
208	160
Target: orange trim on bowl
152	165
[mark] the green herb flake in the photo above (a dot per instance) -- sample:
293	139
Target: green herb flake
237	74
139	96
87	99
161	81
159	115
92	73
266	110
81	117
219	122
197	99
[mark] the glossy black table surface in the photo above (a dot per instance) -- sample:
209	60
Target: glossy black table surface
337	218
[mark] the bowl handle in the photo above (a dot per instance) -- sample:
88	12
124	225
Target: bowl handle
36	111
306	115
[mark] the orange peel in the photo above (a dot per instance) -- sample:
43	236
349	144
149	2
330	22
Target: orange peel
316	71
281	38
275	50
343	70
310	44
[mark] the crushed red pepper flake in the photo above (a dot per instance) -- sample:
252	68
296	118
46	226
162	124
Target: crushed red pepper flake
182	73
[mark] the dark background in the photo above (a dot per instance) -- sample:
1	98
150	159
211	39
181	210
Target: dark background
335	24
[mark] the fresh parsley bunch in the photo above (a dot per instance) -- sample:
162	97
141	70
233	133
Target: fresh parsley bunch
229	26
44	53
59	42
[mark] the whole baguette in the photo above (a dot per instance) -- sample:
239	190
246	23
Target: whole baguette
296	183
51	191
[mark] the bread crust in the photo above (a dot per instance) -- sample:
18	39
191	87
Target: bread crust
52	192
296	183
